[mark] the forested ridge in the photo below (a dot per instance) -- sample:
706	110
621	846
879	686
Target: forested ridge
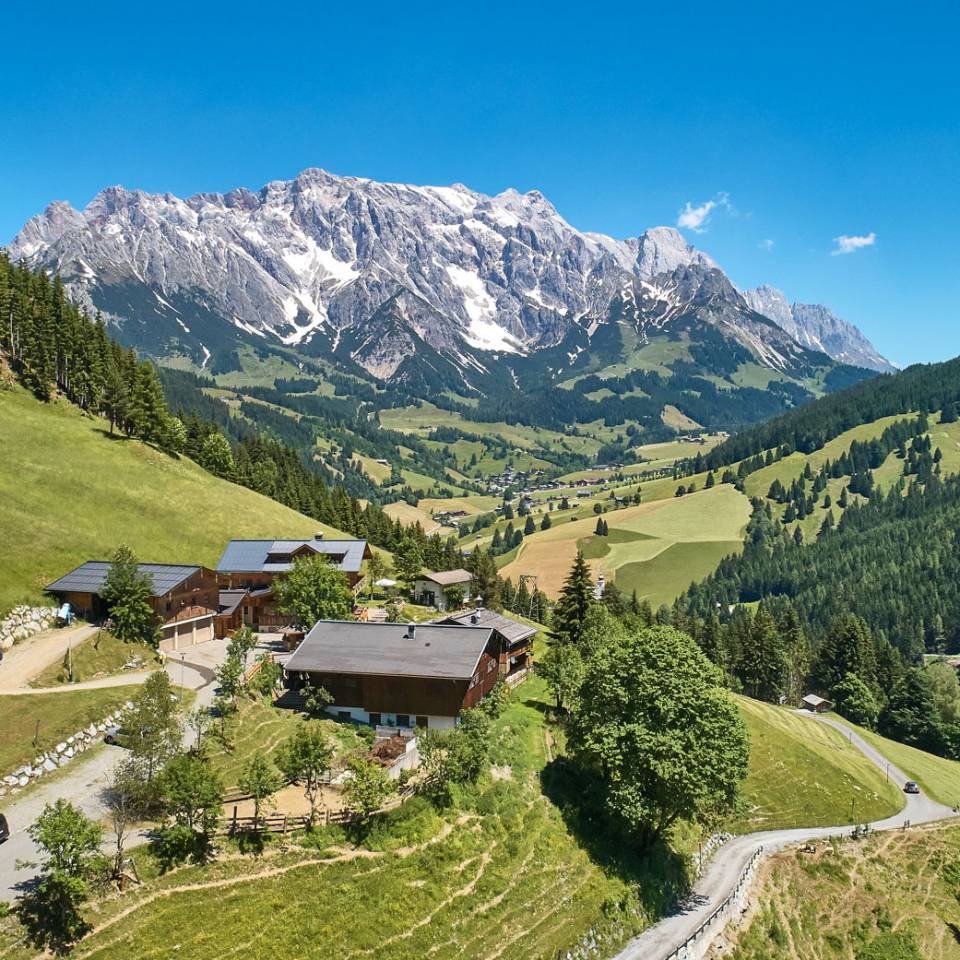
923	387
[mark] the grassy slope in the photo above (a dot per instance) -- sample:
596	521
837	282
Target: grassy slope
69	493
60	715
101	655
681	539
939	777
508	876
805	773
893	896
261	726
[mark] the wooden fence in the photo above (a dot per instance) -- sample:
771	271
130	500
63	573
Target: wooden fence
282	823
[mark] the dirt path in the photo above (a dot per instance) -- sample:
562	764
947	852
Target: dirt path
119	680
30	657
660	941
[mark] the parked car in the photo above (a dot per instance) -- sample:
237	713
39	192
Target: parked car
114	736
4	828
911	787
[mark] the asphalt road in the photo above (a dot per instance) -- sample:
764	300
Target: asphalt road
83	781
728	862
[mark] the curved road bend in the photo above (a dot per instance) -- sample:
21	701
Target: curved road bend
83	781
721	876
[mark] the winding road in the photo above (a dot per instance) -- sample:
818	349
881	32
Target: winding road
721	876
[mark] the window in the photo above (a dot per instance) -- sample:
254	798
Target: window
423	722
403	719
375	719
343	714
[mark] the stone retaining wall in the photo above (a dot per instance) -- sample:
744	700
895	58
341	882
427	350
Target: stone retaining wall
22	622
60	755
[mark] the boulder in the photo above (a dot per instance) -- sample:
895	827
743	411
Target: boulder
92	730
69	752
23	781
49	765
61	748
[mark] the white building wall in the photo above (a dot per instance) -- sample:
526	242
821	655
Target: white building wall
359	715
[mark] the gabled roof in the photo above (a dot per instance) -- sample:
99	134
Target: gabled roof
511	630
89	577
387	649
447	578
814	700
275	556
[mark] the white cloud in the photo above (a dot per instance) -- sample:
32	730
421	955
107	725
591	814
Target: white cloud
847	244
696	218
766	244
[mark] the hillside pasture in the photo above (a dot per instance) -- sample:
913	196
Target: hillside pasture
806	773
706	526
69	492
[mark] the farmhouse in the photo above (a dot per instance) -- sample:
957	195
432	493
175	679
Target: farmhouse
185	598
816	704
514	640
396	674
431	589
251	566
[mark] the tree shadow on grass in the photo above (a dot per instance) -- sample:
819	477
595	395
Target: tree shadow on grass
659	875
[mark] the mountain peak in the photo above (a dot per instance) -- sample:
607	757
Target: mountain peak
817	327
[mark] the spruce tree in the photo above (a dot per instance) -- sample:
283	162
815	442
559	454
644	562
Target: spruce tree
575	600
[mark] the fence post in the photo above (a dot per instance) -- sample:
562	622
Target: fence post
233	829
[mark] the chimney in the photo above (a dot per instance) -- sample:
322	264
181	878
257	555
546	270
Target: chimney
318	535
475	618
411	631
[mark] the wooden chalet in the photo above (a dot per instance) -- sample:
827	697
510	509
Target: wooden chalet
185	598
514	640
397	674
248	568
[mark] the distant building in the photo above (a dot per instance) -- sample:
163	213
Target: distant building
430	589
395	674
816	704
185	598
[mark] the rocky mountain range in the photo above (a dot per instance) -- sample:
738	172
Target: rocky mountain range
398	281
819	328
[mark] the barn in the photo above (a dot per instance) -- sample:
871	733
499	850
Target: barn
185	598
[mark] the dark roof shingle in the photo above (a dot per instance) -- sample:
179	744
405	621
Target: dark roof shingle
449	652
511	630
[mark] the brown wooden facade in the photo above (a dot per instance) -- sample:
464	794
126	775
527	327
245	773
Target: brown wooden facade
411	696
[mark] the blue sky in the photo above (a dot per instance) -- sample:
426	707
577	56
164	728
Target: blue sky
802	123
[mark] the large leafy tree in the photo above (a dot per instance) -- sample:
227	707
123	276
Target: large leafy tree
70	843
659	732
306	758
127	593
260	781
365	790
314	590
192	793
152	729
576	599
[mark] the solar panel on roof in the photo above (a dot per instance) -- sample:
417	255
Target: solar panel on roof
89	577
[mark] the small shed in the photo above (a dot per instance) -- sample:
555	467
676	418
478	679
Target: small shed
816	704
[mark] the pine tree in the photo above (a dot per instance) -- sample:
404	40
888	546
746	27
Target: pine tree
576	598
